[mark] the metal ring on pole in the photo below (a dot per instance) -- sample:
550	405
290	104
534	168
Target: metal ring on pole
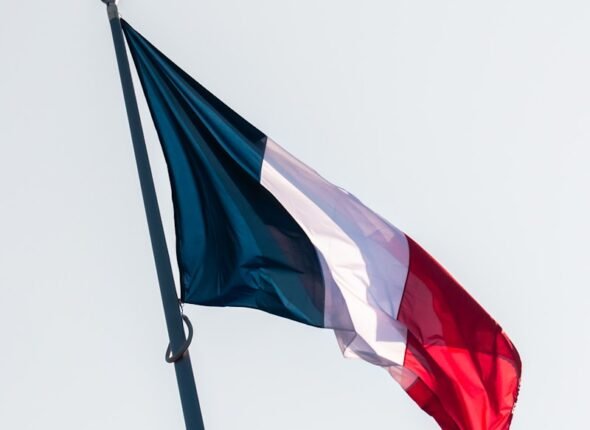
173	358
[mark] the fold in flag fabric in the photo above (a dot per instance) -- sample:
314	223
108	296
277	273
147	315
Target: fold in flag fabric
257	228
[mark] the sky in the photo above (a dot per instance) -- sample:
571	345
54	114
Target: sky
466	124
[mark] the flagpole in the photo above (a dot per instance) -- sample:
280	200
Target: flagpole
174	318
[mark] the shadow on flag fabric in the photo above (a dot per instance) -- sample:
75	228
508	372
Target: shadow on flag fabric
257	228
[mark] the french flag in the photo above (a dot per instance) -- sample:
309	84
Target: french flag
257	228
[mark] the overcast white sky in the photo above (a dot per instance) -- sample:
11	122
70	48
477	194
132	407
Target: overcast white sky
465	123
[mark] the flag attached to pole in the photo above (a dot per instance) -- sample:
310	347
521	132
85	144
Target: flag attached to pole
257	228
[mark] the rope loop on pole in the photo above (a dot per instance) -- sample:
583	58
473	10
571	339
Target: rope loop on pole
173	358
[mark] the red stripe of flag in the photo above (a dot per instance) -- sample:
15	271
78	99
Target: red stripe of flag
468	370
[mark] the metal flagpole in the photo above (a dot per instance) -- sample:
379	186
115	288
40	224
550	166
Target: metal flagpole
172	312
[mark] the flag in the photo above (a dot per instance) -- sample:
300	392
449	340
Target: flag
257	228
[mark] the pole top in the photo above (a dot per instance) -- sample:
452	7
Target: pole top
112	10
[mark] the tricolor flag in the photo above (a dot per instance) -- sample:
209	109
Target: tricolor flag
257	228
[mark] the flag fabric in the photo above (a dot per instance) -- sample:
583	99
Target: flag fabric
257	228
